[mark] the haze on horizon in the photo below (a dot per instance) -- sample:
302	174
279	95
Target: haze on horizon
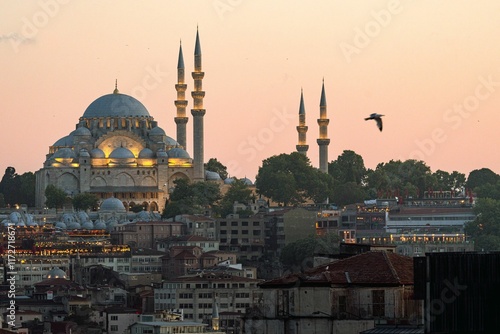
432	68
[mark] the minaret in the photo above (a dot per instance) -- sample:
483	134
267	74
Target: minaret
198	112
302	147
181	102
323	140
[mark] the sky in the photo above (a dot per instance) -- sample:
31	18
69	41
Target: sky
432	68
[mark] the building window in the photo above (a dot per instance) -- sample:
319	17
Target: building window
114	328
378	301
342	307
114	318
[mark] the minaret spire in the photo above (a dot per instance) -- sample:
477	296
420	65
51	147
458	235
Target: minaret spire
323	140
181	103
302	146
198	112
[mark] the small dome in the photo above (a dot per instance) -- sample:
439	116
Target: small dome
68	218
212	176
121	153
115	105
157	131
112	204
15	217
161	153
61	225
82	131
146	153
229	180
100	225
111	225
56	272
64	153
178	152
88	225
142	215
84	153
247	181
74	226
83	216
97	153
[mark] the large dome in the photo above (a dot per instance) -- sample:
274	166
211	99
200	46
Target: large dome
115	105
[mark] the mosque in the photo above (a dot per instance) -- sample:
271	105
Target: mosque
119	151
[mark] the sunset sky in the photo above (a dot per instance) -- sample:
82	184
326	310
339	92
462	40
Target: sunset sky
431	67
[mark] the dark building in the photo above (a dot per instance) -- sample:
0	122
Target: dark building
461	291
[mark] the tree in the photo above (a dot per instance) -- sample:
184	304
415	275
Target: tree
237	192
480	177
9	186
26	191
215	166
297	255
489	190
289	179
2	201
485	229
411	177
191	198
347	193
349	167
56	197
85	201
446	181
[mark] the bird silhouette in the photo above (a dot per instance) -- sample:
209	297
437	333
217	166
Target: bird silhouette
377	118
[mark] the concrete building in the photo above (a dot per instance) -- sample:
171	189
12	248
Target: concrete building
243	236
119	319
346	296
197	295
145	234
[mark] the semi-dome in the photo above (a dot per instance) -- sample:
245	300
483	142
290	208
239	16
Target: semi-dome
212	176
64	153
82	131
178	152
146	153
157	131
121	153
112	204
56	272
65	141
97	153
170	141
115	105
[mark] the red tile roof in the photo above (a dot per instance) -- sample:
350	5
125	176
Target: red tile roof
370	268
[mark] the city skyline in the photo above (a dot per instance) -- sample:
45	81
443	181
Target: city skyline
431	68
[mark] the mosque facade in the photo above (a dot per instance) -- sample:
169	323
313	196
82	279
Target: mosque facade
118	150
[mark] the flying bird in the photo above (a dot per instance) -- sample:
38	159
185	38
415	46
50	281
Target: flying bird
377	118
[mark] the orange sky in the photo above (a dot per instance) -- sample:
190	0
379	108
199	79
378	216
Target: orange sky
431	67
